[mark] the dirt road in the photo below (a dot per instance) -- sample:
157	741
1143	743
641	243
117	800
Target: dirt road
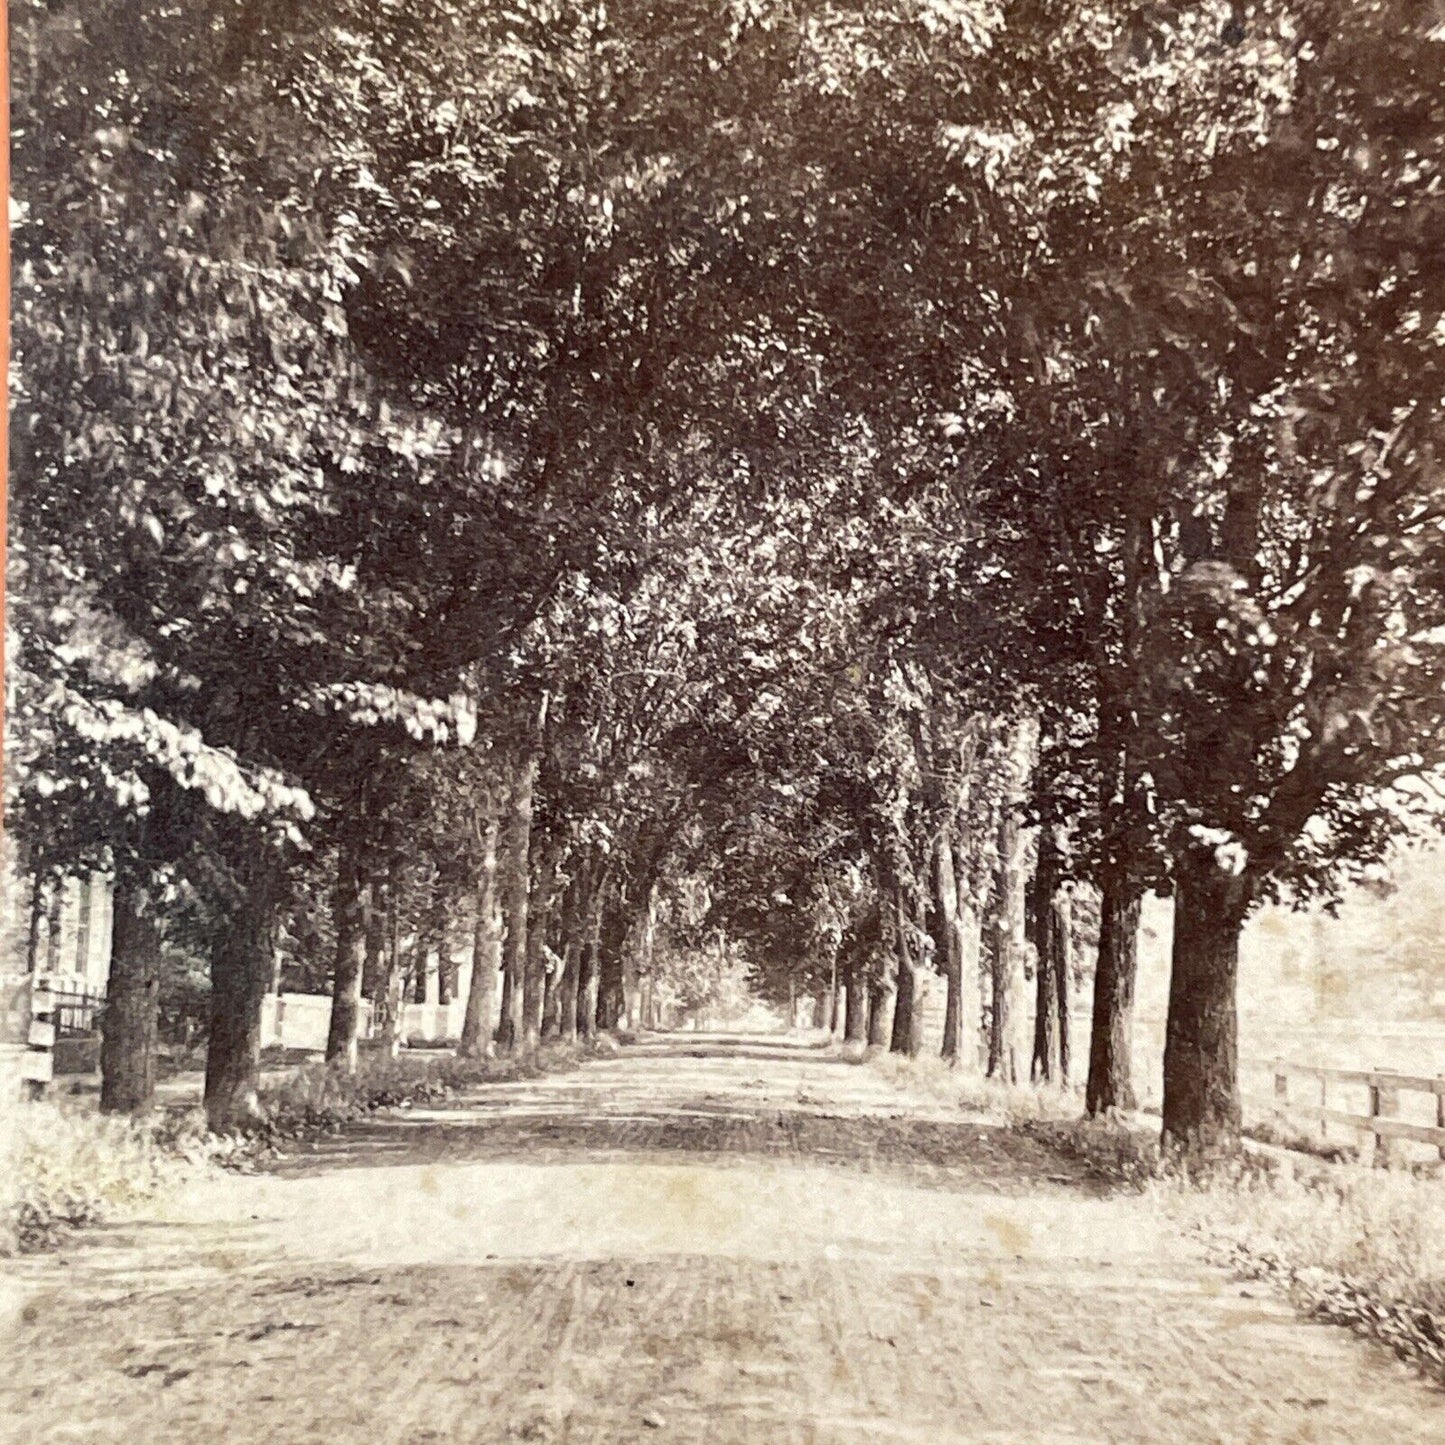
723	1240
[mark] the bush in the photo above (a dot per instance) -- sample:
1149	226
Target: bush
1001	1103
1349	1244
68	1167
321	1098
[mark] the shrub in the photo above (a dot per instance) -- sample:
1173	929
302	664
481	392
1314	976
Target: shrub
64	1166
68	1167
1002	1103
322	1097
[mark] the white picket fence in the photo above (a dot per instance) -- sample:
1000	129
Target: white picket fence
41	1015
301	1020
38	1012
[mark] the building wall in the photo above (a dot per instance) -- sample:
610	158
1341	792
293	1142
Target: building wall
301	1020
74	925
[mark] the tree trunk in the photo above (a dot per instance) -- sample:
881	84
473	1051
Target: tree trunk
510	1007
1063	977
562	929
1049	946
350	958
1006	1032
534	986
1111	1081
128	1021
551	1003
516	882
877	1013
1051	1057
1006	919
567	990
588	982
572	943
642	960
963	1005
611	1000
241	971
375	929
384	999
855	1011
590	978
1201	1047
833	998
476	1041
904	1035
446	969
970	936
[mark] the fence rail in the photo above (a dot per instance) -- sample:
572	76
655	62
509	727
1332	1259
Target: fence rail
1381	1122
52	1021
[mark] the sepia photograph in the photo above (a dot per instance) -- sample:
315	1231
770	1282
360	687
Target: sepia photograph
724	722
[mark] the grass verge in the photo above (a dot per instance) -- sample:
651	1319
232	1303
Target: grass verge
319	1098
1346	1243
65	1167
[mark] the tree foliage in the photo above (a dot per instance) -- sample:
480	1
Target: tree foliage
703	447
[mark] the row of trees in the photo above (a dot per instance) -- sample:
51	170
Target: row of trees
865	479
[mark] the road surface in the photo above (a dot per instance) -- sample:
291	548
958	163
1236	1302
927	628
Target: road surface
702	1239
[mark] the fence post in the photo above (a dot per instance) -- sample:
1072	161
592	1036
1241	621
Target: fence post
1384	1104
1281	1090
37	1068
1324	1103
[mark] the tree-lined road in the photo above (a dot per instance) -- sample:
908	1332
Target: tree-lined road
701	1239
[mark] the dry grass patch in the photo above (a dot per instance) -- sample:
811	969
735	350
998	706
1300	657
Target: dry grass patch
66	1167
1001	1103
1350	1244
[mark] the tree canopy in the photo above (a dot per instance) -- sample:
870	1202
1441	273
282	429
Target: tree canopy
714	489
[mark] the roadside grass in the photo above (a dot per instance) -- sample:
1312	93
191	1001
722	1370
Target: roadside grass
1345	1242
65	1167
1001	1103
1348	1243
320	1097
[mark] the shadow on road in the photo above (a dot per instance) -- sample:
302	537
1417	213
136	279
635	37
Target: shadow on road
758	1048
706	1098
958	1155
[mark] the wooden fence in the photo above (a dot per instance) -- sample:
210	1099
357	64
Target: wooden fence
51	1025
1382	1121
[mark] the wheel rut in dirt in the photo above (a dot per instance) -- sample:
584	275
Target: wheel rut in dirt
697	1240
